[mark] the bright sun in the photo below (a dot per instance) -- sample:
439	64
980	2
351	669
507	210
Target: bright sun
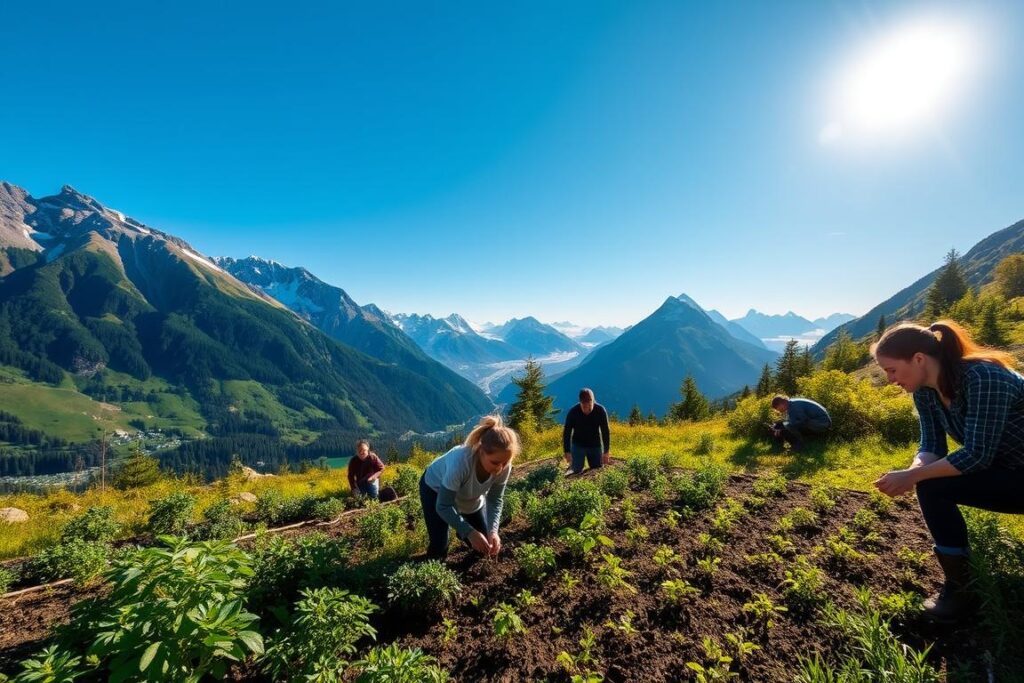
900	81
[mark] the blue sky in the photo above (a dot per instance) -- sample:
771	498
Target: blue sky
573	161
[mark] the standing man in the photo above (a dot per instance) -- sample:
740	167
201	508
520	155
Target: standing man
586	434
364	469
803	418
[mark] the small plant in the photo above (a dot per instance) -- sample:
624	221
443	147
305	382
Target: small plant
780	544
451	631
580	665
761	611
803	519
763	563
840	554
755	503
911	559
803	586
899	606
880	504
671	519
784	526
667	560
328	508
506	622
700	490
642	472
566	507
612	575
535	561
394	664
717	665
770	486
637	534
740	646
678	591
583	540
328	624
705	444
629	512
423	587
541	478
97	524
82	561
708	545
50	666
624	625
568	581
824	498
864	522
525	598
7	579
707	567
727	514
379	524
171	514
221	520
614	482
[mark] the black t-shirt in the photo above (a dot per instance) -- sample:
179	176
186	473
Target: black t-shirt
586	430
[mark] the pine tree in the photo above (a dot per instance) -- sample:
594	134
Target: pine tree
806	362
635	416
652	419
746	392
990	332
881	327
1009	276
531	400
844	354
788	368
694	405
948	288
137	471
766	384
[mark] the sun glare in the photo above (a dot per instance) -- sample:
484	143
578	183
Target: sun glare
902	80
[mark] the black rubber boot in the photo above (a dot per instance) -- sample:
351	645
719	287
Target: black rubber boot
953	602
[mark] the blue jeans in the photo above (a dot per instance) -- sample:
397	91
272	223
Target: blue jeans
591	453
437	528
369	488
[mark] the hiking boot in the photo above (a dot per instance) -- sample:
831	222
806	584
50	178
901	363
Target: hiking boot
953	601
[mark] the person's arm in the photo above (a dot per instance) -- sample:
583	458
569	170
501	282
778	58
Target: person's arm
495	503
378	468
933	436
448	512
988	395
930	461
606	436
567	432
351	473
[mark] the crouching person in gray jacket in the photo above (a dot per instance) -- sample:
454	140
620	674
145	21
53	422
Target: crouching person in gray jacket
803	418
464	489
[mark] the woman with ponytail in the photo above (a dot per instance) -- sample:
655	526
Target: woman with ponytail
465	488
973	395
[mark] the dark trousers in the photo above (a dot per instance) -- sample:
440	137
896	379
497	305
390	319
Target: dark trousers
592	455
994	489
795	435
437	528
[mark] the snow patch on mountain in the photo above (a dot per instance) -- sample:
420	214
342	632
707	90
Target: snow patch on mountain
288	294
200	259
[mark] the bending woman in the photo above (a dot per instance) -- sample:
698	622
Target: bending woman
973	395
465	489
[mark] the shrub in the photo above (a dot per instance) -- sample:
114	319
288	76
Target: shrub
705	445
140	632
222	520
751	417
535	561
75	559
282	567
642	471
273	507
406	481
699	490
327	509
423	587
512	504
323	634
566	507
614	482
771	486
394	664
7	579
97	524
171	514
540	478
379	523
803	587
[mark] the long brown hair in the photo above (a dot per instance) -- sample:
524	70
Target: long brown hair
491	435
945	341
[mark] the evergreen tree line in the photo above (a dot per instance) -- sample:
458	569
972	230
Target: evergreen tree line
29	463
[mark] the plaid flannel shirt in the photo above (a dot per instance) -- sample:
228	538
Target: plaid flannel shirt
986	417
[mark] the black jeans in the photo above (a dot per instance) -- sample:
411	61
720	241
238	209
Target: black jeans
994	489
437	528
795	436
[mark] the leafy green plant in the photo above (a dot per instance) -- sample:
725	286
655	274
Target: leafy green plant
222	520
740	646
273	507
708	545
671	519
803	519
451	631
7	578
838	553
614	482
678	591
717	666
96	524
566	507
406	481
613	576
824	498
637	534
771	486
881	504
780	544
541	478
667	560
505	621
394	664
642	471
283	567
699	490
707	567
172	513
535	561
761	611
525	598
803	587
763	562
568	581
327	509
864	522
80	560
379	524
51	666
899	606
624	625
423	587
327	624
726	515
583	540
173	613
581	665
753	503
705	444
